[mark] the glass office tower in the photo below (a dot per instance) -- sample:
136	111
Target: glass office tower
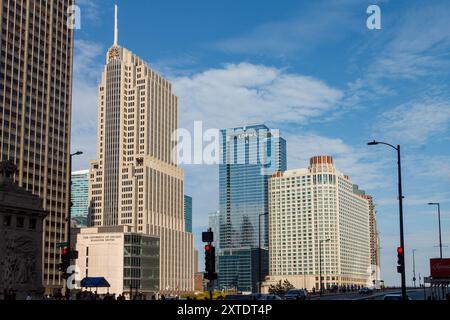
249	156
188	213
80	198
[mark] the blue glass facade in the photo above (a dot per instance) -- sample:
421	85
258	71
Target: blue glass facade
249	156
188	213
80	198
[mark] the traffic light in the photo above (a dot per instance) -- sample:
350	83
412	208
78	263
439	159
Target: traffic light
210	262
400	259
65	262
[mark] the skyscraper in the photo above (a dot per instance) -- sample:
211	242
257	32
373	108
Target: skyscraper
35	110
188	213
249	155
214	224
135	181
80	198
318	226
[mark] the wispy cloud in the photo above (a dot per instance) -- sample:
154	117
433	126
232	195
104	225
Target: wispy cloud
405	50
253	93
90	10
358	163
302	33
87	71
415	122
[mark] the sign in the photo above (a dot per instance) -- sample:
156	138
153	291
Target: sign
440	268
62	245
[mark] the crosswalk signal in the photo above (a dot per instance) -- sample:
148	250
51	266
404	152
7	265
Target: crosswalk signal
400	259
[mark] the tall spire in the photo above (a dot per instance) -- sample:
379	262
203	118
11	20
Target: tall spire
116	24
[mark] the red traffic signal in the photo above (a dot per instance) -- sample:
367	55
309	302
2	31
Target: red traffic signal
207	247
400	250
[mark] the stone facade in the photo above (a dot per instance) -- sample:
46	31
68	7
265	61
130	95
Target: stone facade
21	234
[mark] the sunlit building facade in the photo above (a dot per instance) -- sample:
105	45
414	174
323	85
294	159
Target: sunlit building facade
135	180
318	224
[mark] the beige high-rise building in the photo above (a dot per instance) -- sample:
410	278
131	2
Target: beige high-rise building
35	111
374	237
317	225
135	181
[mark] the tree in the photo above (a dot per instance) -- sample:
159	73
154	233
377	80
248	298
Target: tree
281	288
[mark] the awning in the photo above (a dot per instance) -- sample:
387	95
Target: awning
98	282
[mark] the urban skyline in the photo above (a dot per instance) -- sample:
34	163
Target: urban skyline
190	121
359	98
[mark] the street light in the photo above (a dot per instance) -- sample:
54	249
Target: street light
259	252
400	202
414	268
69	211
439	217
320	264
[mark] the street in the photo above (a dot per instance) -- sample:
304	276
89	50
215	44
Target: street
414	294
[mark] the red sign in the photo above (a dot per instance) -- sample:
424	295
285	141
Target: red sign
440	268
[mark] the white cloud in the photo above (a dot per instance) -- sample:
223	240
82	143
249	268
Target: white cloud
225	97
362	167
87	71
415	122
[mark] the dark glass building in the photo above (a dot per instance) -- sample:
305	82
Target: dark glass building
188	213
249	156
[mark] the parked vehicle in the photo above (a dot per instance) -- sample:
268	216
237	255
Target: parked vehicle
296	294
366	291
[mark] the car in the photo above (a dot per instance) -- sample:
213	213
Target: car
366	291
394	297
269	297
296	294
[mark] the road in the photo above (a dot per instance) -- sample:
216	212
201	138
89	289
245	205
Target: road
414	294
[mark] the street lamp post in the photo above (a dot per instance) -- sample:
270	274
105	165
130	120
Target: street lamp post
69	212
320	265
259	252
440	230
414	268
400	203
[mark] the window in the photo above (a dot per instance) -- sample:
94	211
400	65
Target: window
33	224
20	222
7	221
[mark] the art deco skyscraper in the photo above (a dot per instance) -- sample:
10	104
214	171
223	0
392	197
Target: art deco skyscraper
35	110
135	181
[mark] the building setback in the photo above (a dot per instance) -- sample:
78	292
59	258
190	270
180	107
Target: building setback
135	181
308	207
35	111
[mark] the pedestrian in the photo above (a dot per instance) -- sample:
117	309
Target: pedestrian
29	297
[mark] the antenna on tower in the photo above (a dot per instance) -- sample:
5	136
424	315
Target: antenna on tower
116	24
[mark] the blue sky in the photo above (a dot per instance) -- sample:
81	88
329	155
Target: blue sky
311	69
